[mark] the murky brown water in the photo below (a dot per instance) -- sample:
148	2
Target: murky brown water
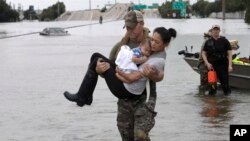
36	70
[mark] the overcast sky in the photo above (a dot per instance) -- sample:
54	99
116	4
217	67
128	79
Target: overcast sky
80	4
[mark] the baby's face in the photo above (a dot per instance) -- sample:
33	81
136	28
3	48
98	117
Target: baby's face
145	49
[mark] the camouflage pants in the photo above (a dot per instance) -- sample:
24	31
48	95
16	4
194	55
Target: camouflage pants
203	77
136	118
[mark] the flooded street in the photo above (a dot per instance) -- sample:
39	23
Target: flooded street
36	70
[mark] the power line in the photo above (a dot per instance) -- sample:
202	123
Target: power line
31	33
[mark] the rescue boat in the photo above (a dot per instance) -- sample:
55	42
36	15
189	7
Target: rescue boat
238	78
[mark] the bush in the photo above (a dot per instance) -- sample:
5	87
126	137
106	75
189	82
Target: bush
103	9
52	12
7	14
247	16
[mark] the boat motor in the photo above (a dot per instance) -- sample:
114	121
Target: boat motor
181	52
187	54
235	55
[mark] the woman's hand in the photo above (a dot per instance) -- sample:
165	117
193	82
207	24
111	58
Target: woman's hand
101	66
152	73
209	66
149	70
120	72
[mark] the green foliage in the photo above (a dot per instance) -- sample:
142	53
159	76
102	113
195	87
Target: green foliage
30	14
7	14
103	9
247	16
166	11
235	5
52	12
200	7
203	8
213	7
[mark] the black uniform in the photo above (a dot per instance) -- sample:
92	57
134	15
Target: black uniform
217	55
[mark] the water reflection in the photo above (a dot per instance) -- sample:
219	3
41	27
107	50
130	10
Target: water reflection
216	110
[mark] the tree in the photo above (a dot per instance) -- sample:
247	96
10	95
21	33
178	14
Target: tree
6	13
235	5
200	9
12	16
213	7
166	10
103	9
30	14
52	12
204	8
247	16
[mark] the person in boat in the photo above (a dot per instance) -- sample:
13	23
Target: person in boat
204	86
217	55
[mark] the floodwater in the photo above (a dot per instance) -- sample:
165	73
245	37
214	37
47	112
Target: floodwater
36	70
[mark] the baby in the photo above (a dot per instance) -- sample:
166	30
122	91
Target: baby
129	59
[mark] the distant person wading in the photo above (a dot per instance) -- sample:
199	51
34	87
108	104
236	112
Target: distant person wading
100	19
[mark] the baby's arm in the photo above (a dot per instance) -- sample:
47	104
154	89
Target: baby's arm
139	60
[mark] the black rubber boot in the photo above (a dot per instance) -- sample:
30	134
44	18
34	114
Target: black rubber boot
85	93
213	89
74	98
227	90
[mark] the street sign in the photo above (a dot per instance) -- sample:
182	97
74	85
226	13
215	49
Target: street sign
183	12
140	7
178	5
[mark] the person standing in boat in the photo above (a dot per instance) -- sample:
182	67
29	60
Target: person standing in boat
217	55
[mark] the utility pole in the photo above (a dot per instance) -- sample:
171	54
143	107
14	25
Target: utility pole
89	4
223	9
58	8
